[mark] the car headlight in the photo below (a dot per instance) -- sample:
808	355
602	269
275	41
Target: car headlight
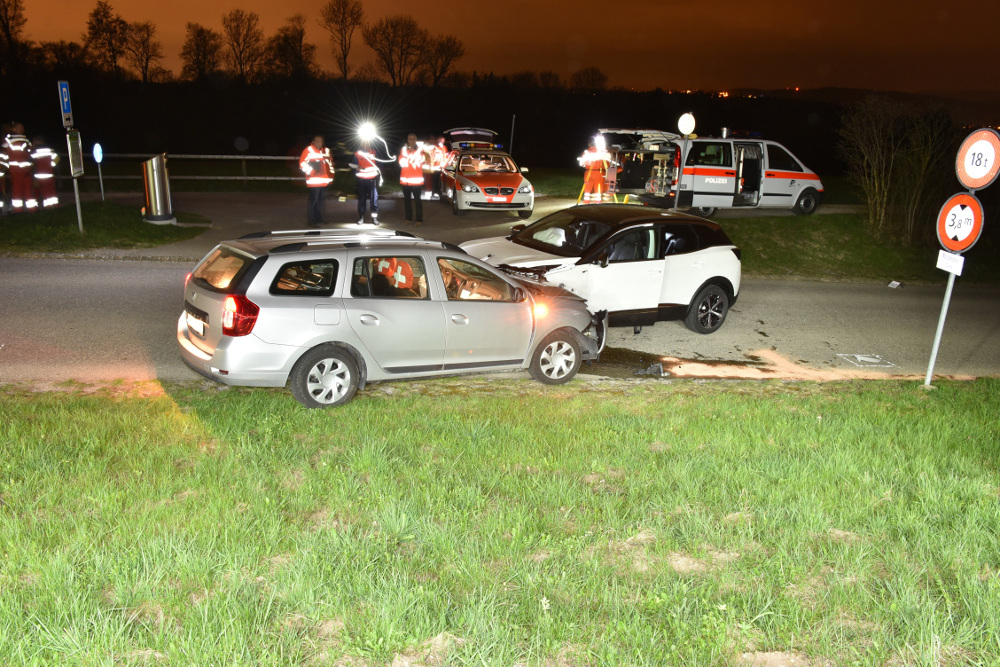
525	189
469	187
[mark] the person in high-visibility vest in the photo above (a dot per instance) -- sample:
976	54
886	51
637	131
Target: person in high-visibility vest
595	162
412	160
45	160
367	172
437	151
317	165
16	152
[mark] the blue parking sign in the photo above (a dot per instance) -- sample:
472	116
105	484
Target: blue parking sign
64	104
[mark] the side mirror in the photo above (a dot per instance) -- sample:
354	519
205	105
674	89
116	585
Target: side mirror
603	259
524	170
517	229
520	296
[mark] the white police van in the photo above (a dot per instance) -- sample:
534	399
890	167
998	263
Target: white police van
728	172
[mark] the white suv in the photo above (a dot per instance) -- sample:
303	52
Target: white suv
329	310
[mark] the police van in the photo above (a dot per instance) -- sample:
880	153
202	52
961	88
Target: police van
729	172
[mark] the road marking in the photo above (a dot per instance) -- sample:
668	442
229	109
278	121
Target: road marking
867	360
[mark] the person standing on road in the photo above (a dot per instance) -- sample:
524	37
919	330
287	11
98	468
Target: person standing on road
45	178
317	165
412	159
367	172
595	160
16	155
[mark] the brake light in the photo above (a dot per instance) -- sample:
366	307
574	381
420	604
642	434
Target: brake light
239	314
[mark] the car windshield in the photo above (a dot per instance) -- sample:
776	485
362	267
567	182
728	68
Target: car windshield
566	233
491	162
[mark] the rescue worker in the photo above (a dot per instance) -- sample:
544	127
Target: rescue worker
16	151
595	161
45	160
317	165
436	153
412	161
367	172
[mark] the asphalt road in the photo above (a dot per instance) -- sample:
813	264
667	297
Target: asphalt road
97	319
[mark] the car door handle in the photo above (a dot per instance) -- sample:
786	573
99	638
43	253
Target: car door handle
730	173
459	319
769	174
370	320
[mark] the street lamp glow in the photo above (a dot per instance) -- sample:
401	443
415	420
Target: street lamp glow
367	131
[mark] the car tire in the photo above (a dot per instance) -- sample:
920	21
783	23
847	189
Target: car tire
524	215
454	204
325	376
705	211
807	202
708	310
557	359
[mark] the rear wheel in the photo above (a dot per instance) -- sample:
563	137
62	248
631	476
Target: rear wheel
557	359
807	202
705	211
708	310
325	376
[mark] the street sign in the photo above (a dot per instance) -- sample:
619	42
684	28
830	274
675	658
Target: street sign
75	147
64	104
977	164
950	262
960	222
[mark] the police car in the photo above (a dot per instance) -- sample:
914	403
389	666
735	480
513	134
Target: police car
478	175
728	172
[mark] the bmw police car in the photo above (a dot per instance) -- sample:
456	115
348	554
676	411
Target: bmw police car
725	172
477	175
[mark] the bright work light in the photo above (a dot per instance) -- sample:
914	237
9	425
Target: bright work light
367	131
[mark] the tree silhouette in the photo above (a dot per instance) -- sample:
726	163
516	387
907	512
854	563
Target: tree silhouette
142	50
588	78
289	54
245	44
106	37
398	43
201	53
440	53
12	23
341	18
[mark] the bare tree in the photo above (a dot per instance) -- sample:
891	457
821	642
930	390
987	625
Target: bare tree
106	37
341	18
63	57
924	165
288	52
12	23
549	80
398	43
588	78
201	53
440	53
142	50
245	41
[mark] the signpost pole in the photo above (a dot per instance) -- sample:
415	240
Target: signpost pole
940	328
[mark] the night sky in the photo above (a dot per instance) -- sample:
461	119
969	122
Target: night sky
917	46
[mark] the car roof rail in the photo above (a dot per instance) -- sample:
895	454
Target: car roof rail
335	233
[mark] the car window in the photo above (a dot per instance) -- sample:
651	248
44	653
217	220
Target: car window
465	281
221	270
563	233
389	277
779	158
486	162
632	246
711	154
310	278
677	240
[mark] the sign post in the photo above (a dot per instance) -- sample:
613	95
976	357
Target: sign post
960	221
73	145
685	124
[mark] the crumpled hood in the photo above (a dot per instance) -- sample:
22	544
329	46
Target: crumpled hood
498	250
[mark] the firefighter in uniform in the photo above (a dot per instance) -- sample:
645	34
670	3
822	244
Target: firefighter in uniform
412	161
317	165
17	157
367	172
595	161
45	161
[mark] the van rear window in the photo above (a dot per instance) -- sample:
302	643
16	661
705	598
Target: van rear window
221	270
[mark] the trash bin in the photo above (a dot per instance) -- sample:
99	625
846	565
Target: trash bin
154	176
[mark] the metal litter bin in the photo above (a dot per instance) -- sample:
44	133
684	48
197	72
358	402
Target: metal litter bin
157	182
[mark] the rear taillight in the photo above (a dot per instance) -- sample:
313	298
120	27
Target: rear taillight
238	316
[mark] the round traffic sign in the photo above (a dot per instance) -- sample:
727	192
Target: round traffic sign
979	159
960	222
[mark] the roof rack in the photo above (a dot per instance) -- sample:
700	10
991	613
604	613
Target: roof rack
324	233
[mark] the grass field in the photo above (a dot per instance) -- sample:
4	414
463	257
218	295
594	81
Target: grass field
500	522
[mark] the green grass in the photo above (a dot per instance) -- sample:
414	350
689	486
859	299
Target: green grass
602	523
105	225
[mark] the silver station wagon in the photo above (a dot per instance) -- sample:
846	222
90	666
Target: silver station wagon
327	311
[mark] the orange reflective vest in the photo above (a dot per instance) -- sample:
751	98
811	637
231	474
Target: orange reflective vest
317	166
367	169
411	165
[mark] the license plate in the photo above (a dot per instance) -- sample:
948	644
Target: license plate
195	325
502	199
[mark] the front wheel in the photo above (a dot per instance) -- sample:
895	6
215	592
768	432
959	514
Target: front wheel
708	310
556	360
524	215
807	202
454	203
325	376
705	211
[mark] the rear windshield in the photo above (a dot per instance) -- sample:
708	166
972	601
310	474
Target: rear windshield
221	270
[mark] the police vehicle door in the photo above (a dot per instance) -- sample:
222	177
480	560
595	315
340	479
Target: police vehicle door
784	177
710	174
749	173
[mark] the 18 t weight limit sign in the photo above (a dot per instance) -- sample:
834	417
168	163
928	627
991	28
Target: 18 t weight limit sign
977	164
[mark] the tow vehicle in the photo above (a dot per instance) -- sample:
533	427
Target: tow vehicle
726	172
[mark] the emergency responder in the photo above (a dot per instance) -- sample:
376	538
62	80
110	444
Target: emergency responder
436	153
367	172
595	161
412	160
17	156
45	160
317	165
